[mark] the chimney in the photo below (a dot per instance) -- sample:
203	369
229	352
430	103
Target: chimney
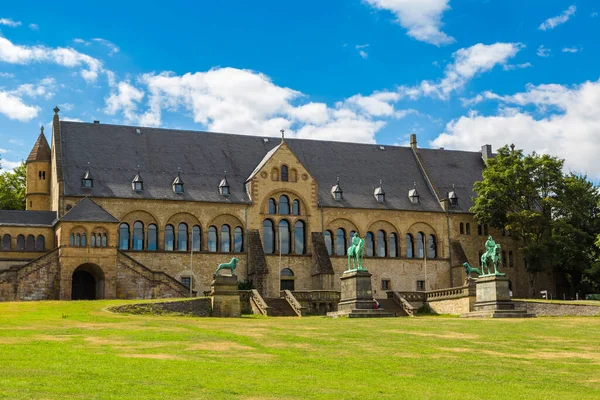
413	140
486	152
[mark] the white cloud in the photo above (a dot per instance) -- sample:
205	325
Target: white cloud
363	54
34	27
553	22
468	63
44	88
543	52
377	104
570	50
125	99
568	127
113	49
9	166
67	57
9	22
13	107
510	67
422	18
6	75
3	151
361	51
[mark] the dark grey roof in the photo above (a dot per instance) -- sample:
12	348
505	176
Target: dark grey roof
26	218
451	167
88	211
115	152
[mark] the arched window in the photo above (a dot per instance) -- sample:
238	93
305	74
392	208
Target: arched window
284	173
420	245
381	243
238	239
138	235
479	229
485	229
432	247
40	243
468	226
152	237
510	259
287	279
196	238
369	245
285	242
6	242
299	238
213	244
410	246
169	238
340	242
284	205
462	228
77	240
30	243
328	236
104	240
72	239
393	245
268	237
504	258
296	207
182	237
83	240
272	206
93	240
225	239
123	237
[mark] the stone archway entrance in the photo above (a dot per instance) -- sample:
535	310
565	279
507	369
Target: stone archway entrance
87	283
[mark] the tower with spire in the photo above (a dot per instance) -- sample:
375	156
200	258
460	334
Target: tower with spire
38	175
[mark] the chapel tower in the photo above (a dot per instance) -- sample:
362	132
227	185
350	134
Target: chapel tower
38	175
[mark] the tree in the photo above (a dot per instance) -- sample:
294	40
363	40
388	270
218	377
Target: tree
12	188
517	193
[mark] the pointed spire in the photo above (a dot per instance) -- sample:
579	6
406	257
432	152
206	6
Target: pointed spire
224	188
453	197
379	193
336	190
413	194
138	183
41	149
178	182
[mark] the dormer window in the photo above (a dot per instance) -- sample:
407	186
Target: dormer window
452	198
87	182
224	188
413	195
336	191
138	183
379	193
178	183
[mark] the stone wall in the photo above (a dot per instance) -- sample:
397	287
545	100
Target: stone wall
37	280
195	307
455	306
558	309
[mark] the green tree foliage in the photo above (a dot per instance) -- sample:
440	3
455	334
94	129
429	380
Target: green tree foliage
553	214
12	188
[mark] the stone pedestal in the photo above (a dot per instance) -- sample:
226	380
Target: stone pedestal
356	299
224	295
492	300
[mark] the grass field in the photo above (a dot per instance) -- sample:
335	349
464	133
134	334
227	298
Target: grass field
64	350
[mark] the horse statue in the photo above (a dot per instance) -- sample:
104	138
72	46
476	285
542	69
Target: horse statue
356	253
491	256
230	266
469	270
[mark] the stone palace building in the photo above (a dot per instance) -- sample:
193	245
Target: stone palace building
135	212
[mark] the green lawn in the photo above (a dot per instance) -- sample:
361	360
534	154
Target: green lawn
62	350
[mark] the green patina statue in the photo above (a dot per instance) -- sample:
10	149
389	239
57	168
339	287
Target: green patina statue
469	270
492	255
356	253
230	266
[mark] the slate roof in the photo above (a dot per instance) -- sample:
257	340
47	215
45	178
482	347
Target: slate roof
115	151
27	218
41	149
88	211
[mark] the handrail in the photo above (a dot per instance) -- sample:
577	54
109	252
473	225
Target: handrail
406	306
260	303
296	306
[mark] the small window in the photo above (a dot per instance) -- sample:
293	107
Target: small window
40	243
468	228
169	238
225	239
212	239
504	258
296	207
6	242
238	240
420	286
284	205
272	206
152	237
479	230
510	259
370	244
462	228
30	243
186	281
328	236
386	284
123	237
20	242
284	173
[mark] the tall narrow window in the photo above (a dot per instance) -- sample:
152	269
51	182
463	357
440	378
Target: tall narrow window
152	237
340	242
138	235
468	226
393	245
479	230
30	243
504	258
510	259
77	240
212	239
169	238
268	237
299	238
72	239
83	240
328	236
104	240
238	239
369	244
410	246
420	245
182	237
381	243
462	228
485	229
123	237
284	173
432	247
272	206
196	235
284	205
93	241
6	242
40	243
285	242
225	239
296	207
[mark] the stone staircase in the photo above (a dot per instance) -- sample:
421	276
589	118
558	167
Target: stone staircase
280	307
392	306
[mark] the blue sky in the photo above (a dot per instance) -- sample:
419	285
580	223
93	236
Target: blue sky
459	74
